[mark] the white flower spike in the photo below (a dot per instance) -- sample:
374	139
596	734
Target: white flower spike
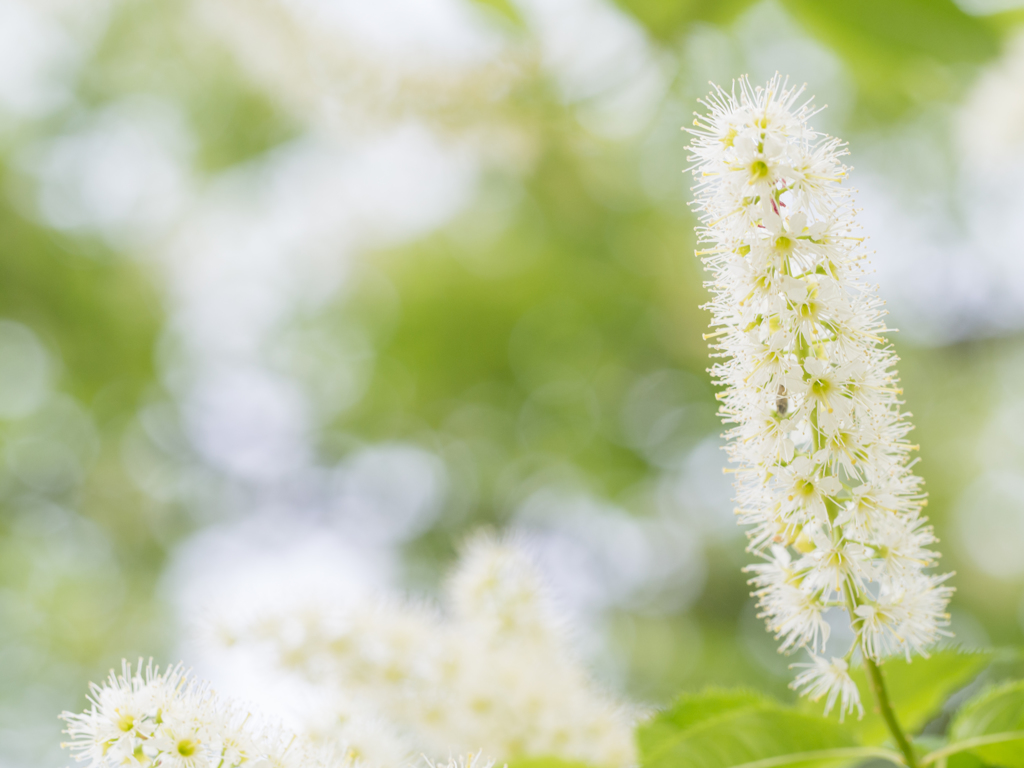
818	440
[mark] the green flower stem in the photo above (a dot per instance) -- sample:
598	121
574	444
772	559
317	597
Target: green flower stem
882	697
874	672
803	351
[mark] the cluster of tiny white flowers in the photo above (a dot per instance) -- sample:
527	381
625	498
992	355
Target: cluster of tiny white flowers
169	720
470	760
493	672
818	439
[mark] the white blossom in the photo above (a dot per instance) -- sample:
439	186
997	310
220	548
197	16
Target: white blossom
817	435
470	760
491	669
832	680
145	717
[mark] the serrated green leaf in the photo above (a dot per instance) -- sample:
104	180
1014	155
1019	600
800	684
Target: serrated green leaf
996	710
916	690
723	729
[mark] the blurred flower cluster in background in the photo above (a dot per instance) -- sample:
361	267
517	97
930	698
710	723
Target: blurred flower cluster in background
296	296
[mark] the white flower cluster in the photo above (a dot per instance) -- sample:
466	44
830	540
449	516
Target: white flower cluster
494	671
169	720
823	472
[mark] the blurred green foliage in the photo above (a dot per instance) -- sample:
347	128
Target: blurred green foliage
505	9
511	342
78	560
901	53
670	21
157	48
79	296
543	329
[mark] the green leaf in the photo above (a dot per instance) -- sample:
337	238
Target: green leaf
965	760
916	690
545	761
690	709
997	710
724	729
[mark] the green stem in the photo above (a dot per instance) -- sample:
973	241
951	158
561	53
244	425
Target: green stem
882	697
803	351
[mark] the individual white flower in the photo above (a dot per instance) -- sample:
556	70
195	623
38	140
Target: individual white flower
791	609
181	744
877	628
121	714
169	720
817	438
835	563
807	489
109	729
469	760
831	679
901	546
914	609
231	739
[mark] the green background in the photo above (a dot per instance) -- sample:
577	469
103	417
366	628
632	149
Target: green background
588	287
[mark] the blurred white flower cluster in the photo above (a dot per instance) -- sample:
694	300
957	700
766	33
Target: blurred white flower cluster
493	672
355	68
390	681
168	719
823	472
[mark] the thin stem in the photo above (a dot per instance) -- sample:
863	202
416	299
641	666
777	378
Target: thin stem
882	697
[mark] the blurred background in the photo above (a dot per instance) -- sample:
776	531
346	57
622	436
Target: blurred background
294	291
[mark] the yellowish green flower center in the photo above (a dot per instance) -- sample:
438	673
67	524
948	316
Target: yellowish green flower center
804	543
804	487
125	721
758	170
